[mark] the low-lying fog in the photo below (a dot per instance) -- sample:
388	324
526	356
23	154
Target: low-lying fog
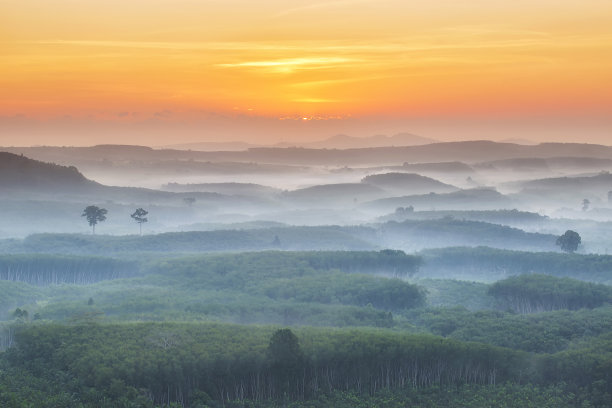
190	190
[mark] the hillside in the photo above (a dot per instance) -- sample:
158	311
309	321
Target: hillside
407	183
476	199
21	173
330	195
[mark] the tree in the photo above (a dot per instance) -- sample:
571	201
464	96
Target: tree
569	241
140	217
284	348
276	241
585	204
21	315
94	215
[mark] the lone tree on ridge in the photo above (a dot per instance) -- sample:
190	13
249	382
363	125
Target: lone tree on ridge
94	215
140	216
569	241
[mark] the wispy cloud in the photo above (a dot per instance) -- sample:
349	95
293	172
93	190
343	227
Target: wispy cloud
291	64
463	37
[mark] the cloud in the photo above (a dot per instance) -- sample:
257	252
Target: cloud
291	64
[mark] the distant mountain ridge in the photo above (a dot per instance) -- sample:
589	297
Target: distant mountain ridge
351	142
467	152
340	141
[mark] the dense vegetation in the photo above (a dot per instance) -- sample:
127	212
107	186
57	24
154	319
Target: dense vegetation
537	293
491	264
390	339
295	238
311	288
38	269
504	217
448	231
202	365
541	333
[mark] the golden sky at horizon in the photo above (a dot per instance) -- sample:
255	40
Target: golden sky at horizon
127	61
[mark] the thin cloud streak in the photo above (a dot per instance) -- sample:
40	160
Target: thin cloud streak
293	63
406	44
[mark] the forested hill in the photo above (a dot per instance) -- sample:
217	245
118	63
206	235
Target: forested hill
489	264
296	238
31	178
21	173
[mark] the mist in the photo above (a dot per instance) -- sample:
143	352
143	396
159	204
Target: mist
471	243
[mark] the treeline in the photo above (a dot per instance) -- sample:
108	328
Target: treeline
285	238
547	332
287	264
214	365
491	263
503	217
538	293
305	277
386	294
386	262
272	287
41	269
192	364
448	231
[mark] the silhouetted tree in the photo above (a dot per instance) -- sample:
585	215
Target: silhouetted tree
21	315
94	215
140	217
585	204
569	241
404	210
276	241
285	358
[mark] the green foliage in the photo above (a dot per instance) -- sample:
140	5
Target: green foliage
547	332
487	264
292	238
40	269
447	231
449	293
536	293
94	215
264	287
230	362
153	364
91	361
569	241
360	290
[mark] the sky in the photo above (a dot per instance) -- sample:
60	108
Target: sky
158	72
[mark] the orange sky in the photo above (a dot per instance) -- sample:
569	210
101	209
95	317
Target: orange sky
129	64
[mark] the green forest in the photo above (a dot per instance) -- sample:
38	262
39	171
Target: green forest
278	328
